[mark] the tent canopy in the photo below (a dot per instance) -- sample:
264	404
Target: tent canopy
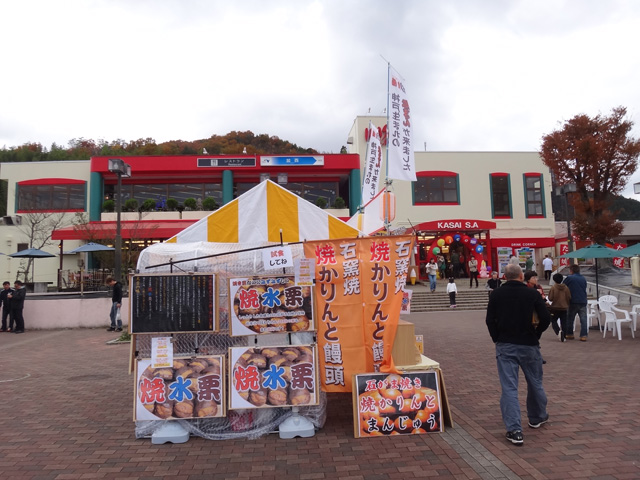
260	214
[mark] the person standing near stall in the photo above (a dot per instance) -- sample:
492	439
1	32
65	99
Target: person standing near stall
455	261
547	264
510	314
17	305
473	271
494	282
116	303
432	272
6	307
578	287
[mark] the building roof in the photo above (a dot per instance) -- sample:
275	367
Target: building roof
130	229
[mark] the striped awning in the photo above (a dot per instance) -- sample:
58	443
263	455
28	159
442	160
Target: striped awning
261	214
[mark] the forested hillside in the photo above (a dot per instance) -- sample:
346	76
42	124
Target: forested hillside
232	143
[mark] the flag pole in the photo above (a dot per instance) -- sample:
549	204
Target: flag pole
387	182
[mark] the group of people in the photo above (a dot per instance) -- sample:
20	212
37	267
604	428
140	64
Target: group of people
434	268
12	300
517	314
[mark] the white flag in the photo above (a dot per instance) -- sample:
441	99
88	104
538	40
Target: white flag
401	162
372	166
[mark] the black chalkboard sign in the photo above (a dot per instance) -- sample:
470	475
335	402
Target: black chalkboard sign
172	303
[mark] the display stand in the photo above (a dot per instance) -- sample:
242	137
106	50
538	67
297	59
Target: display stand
428	364
296	426
170	432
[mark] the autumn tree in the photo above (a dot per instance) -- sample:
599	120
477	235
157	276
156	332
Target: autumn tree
598	155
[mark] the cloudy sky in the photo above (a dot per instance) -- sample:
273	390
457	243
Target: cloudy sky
481	74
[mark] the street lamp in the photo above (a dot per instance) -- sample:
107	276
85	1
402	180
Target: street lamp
121	169
565	190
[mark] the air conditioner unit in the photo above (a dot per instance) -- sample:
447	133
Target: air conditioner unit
12	220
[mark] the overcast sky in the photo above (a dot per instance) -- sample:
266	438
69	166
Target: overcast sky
480	74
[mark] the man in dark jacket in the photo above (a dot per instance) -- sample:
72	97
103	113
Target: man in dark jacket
5	300
116	303
17	305
516	317
578	287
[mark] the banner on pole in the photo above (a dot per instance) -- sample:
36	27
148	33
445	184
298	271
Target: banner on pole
401	163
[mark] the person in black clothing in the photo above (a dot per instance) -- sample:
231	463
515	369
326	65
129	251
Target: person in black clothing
17	305
493	283
116	299
6	307
516	317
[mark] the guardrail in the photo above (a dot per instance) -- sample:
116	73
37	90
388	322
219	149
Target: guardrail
624	297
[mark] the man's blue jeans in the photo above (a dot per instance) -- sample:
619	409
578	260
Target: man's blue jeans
581	310
432	282
113	314
510	358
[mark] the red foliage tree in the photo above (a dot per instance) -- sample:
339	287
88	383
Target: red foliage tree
598	155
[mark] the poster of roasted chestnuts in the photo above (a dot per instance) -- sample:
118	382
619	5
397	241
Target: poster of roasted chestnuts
192	388
273	376
270	304
396	404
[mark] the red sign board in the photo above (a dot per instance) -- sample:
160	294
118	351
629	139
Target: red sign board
455	225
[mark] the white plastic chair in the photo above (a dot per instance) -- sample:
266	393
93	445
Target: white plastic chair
613	300
611	318
634	315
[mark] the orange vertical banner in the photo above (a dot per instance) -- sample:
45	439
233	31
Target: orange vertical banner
358	294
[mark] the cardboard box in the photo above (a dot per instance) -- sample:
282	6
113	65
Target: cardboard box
404	350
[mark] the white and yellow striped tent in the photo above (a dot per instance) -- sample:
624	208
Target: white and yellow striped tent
258	216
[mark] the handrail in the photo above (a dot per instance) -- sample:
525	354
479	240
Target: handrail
624	297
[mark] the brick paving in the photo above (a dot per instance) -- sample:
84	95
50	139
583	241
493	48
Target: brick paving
67	406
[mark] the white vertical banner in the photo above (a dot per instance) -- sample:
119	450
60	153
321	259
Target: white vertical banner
401	164
373	163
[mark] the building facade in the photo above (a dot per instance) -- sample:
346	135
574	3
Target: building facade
490	205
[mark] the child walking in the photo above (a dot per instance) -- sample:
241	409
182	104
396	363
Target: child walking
452	290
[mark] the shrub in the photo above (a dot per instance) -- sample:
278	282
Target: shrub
321	202
148	205
108	206
172	204
131	205
340	203
209	203
190	204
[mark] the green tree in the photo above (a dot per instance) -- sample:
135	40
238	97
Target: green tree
598	155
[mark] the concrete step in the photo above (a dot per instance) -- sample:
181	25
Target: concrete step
425	301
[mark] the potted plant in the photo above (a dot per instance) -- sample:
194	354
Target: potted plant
148	205
190	204
108	206
172	204
131	205
321	202
339	203
209	203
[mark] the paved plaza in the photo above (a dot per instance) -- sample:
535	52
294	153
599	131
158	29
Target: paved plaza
67	404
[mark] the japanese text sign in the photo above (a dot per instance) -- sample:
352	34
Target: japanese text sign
191	388
273	377
407	403
173	303
359	291
277	257
269	305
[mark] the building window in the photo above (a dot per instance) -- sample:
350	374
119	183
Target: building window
161	192
500	195
436	188
50	195
534	195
